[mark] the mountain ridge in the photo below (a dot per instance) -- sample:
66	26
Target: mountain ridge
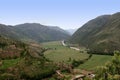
100	35
33	32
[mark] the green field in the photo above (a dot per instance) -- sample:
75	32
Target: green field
9	63
96	60
62	53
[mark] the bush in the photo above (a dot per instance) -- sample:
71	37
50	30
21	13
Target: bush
76	63
111	71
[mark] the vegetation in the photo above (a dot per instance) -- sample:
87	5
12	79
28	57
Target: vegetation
52	60
27	68
59	53
111	71
77	63
10	48
94	61
19	61
77	59
8	63
100	35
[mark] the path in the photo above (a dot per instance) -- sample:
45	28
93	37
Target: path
63	43
75	48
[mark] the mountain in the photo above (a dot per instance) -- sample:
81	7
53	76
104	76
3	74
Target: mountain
71	31
33	32
100	35
8	31
40	32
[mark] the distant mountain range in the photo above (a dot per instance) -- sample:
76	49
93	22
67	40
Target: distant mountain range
33	32
100	35
71	31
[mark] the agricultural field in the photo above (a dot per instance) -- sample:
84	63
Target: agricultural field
94	61
63	54
59	53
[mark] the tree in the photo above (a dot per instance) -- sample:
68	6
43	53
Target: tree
111	71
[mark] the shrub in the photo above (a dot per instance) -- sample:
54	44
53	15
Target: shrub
76	63
111	71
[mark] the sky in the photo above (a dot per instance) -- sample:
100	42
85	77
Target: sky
67	14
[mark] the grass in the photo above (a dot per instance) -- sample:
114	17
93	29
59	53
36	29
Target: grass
96	60
9	63
53	44
61	53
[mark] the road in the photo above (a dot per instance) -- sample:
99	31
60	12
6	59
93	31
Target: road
75	48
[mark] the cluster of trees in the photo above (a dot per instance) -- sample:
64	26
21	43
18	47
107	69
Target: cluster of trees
111	71
104	48
76	63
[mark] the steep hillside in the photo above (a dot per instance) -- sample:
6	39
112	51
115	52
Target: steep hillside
8	31
10	48
33	32
100	35
19	61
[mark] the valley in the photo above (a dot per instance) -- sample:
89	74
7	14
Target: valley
58	53
32	51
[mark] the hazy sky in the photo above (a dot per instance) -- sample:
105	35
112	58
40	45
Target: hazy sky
66	14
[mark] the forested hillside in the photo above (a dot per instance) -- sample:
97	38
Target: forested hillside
100	35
